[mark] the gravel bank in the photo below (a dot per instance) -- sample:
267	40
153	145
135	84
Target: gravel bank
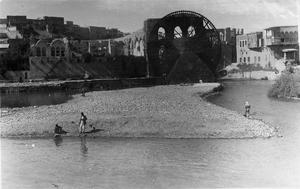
162	111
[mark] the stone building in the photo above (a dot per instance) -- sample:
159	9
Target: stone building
97	32
250	51
46	54
228	39
283	42
54	24
13	53
267	48
18	21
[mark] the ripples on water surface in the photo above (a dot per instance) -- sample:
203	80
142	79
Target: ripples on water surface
165	163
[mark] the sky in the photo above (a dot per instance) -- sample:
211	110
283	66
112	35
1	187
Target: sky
129	15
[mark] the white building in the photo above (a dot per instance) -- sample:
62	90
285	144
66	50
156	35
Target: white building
268	47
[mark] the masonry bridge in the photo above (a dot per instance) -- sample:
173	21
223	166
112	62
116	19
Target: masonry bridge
182	46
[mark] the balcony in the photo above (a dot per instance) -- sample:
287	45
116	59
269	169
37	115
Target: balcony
281	41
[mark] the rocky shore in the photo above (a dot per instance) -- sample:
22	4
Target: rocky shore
172	111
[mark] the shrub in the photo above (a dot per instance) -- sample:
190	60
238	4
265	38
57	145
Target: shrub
284	86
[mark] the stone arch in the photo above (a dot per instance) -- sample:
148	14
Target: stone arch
41	47
58	45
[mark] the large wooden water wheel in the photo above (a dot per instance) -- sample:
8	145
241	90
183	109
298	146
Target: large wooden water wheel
184	46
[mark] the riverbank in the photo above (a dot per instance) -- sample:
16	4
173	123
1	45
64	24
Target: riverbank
255	75
78	85
172	111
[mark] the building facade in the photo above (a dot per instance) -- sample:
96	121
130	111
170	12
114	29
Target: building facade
267	48
228	39
46	54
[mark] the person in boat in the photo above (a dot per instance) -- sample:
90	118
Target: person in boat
247	109
59	130
82	123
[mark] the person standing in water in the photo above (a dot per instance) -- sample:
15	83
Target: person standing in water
82	123
247	109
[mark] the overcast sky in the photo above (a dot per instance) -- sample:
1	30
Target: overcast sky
128	15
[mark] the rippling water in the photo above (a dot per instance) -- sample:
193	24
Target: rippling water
165	163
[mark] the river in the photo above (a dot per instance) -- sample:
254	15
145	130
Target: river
75	162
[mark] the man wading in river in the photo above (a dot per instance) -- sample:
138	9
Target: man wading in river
247	109
82	123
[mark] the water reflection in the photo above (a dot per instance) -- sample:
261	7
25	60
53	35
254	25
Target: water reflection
58	141
83	147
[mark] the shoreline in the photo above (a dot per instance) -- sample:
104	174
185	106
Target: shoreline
172	111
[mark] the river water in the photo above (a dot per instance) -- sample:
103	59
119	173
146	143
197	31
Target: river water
166	163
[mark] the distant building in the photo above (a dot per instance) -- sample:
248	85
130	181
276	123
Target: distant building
113	33
18	21
47	52
54	24
248	56
228	39
4	45
10	37
228	35
3	21
97	32
69	23
283	42
267	47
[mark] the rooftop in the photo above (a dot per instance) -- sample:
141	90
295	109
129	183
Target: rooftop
275	27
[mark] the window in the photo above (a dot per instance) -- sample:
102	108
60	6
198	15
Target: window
255	59
62	51
43	51
38	51
177	32
241	60
248	59
161	33
240	43
52	51
191	31
258	59
57	52
244	59
243	43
